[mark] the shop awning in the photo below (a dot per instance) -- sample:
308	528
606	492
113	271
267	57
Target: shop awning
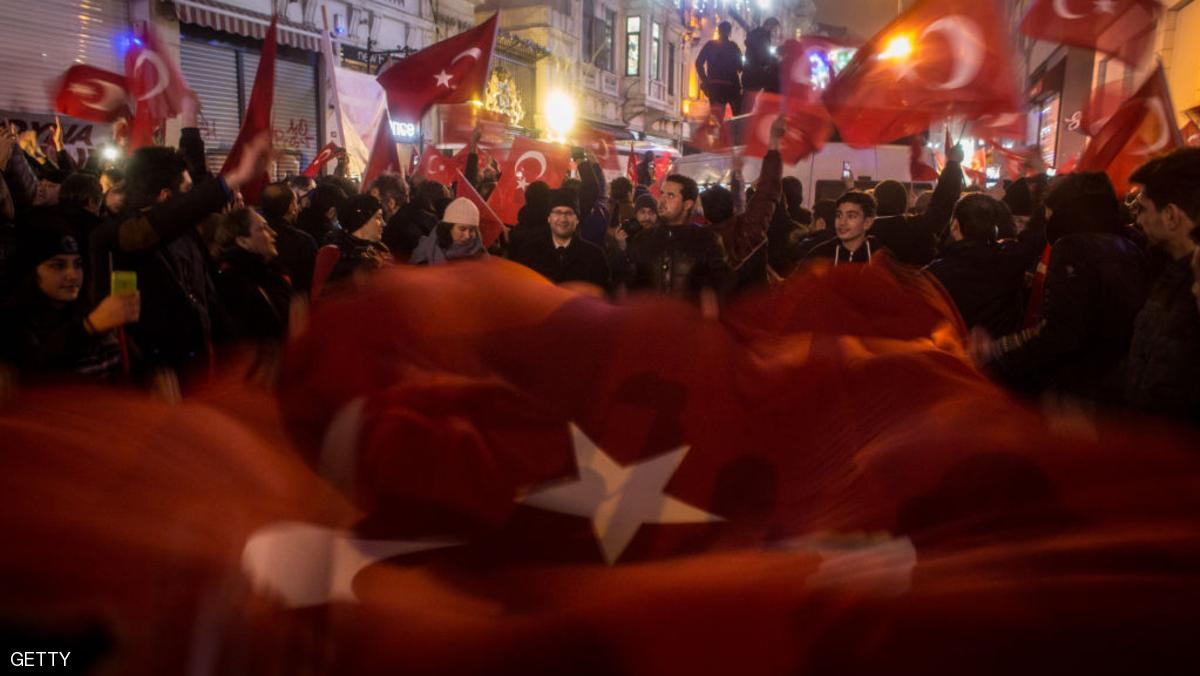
230	19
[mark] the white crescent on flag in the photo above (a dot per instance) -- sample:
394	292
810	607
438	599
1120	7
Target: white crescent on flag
162	76
1061	9
541	159
106	95
474	53
965	39
1155	107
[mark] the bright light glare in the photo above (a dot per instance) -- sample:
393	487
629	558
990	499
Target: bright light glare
109	153
560	112
899	47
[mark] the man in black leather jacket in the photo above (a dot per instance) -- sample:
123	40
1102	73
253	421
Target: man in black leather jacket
681	258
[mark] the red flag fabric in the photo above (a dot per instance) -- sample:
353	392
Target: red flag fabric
327	153
807	128
92	94
679	452
143	128
600	144
153	77
918	168
528	161
490	225
1101	105
631	165
994	128
517	479
384	156
435	166
662	168
1013	162
1144	126
1123	28
939	58
258	114
454	70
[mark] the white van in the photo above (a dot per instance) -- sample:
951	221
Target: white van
821	173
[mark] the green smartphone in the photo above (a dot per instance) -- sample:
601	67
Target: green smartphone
124	282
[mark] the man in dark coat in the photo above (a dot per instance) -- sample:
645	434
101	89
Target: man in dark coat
156	238
1162	373
297	249
681	258
913	239
719	68
564	256
253	285
1095	286
762	65
986	279
414	220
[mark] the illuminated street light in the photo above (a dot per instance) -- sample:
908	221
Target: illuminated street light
899	47
560	113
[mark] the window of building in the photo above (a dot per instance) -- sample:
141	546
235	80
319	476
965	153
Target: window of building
633	39
655	50
671	68
589	30
604	58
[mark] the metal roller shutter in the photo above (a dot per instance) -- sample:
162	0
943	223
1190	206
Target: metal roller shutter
44	38
294	114
212	72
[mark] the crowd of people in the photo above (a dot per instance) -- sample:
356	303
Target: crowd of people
126	274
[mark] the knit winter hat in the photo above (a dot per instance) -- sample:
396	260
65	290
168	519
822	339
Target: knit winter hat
48	235
646	201
356	211
461	211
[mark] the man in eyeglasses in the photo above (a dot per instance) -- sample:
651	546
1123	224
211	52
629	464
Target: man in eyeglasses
1162	372
563	256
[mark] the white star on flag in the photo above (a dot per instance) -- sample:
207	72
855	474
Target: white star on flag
443	79
521	183
1106	6
617	498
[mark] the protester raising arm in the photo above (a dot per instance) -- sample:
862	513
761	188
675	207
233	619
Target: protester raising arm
191	145
746	232
22	182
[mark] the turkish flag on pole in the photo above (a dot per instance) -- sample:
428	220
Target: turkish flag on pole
807	128
602	145
1143	127
490	225
384	157
939	58
1123	28
528	161
662	168
327	153
631	165
454	70
258	114
92	94
434	166
153	77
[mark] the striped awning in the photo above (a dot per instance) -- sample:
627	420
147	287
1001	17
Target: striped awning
230	19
